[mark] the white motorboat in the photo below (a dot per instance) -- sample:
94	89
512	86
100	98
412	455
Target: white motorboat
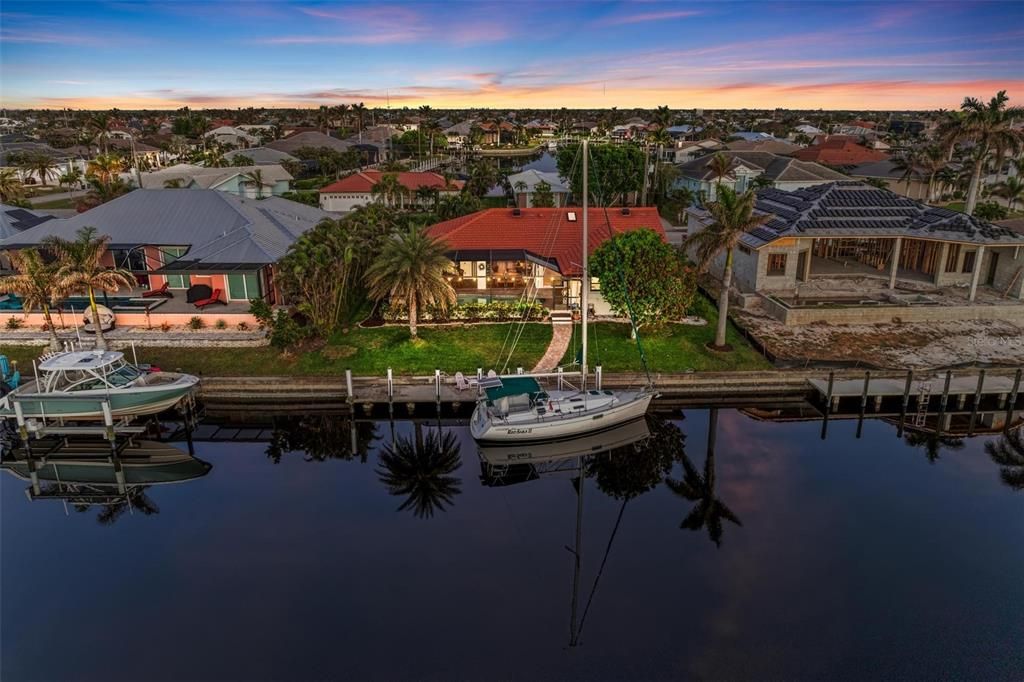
516	408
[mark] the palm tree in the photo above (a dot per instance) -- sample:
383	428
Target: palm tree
389	190
105	167
933	443
255	179
1008	453
733	217
174	183
932	161
991	128
1011	189
79	267
360	112
11	187
101	192
410	269
136	499
907	162
100	123
70	179
720	165
709	511
421	471
37	284
41	164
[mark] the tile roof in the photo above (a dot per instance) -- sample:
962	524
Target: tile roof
853	209
363	181
777	168
308	139
544	232
839	151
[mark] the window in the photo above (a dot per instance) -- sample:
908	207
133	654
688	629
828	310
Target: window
243	286
744	250
595	284
171	254
969	261
776	264
952	257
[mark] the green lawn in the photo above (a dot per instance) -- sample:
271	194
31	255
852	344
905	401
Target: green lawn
366	351
671	348
56	203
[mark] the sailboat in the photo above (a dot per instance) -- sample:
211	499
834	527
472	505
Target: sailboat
516	408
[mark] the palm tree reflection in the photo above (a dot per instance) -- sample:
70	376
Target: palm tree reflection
709	511
933	443
420	470
1008	453
321	437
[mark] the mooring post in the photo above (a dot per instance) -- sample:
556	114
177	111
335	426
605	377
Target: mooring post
942	402
977	399
863	402
108	419
350	395
828	403
597	377
560	379
19	415
1013	399
906	402
437	384
391	392
519	370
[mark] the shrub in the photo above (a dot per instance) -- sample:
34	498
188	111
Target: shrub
497	311
243	326
220	324
285	332
15	323
261	310
165	326
196	323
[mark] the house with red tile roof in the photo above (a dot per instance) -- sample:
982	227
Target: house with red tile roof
500	253
838	151
357	189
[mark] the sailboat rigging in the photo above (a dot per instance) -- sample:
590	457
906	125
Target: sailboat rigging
515	408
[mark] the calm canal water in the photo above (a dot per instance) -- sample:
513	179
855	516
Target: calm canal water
786	558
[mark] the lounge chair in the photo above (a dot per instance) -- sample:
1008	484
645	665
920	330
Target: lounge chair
162	291
462	383
491	373
214	298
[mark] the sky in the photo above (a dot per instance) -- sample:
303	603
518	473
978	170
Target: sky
831	55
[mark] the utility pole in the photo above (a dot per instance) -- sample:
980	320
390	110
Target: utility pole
643	196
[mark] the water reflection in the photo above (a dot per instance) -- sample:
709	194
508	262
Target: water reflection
85	476
420	470
709	511
320	437
933	443
1008	453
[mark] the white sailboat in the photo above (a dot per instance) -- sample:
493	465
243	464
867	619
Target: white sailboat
517	409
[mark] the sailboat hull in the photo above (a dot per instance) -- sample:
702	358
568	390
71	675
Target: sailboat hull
630	406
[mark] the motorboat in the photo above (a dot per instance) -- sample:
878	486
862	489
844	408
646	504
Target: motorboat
80	384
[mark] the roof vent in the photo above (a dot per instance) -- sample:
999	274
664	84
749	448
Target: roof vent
516	211
572	216
625	210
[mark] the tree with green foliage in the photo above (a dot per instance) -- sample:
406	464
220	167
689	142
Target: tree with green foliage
38	285
990	210
411	269
11	187
324	269
1011	189
41	164
457	205
733	216
79	267
241	160
616	171
1008	453
643	277
483	175
543	196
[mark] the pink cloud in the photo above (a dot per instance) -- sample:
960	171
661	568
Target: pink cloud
645	17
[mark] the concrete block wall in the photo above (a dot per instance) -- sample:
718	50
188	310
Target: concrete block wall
793	317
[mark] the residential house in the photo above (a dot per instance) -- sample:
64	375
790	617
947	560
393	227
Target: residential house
235	137
309	138
783	172
357	189
261	156
684	132
460	134
928	263
189	240
886	171
688	151
11	154
772	146
585	127
539	128
238	180
524	185
751	136
808	130
502	253
13	221
838	150
499	133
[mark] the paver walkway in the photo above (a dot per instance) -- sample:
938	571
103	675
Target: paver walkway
560	339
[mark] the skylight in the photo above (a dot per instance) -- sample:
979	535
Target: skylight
572	216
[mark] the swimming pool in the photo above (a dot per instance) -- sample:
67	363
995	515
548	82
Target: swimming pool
74	304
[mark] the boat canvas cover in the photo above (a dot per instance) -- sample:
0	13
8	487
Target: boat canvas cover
512	386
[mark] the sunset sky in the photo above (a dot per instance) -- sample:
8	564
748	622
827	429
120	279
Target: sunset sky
171	53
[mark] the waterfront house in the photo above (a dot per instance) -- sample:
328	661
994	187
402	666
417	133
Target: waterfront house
838	150
500	253
187	239
524	185
458	135
238	180
847	252
357	189
783	172
235	137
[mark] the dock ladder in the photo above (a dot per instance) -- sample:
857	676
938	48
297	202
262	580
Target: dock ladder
924	395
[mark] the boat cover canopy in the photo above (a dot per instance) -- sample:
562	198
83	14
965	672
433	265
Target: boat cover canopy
511	386
80	359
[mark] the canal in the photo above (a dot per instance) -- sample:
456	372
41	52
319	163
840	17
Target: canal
722	544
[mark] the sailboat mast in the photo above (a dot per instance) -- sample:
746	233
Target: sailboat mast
585	284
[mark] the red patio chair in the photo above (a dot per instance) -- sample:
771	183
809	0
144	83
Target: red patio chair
214	298
162	291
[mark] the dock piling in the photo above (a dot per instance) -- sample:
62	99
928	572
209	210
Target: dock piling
977	399
906	402
828	403
437	385
942	403
597	377
863	402
350	395
1012	404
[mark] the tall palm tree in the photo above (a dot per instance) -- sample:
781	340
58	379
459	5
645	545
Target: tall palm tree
709	511
79	267
991	128
105	167
11	187
932	161
100	123
37	284
1011	189
421	470
909	164
410	269
360	112
101	192
255	178
70	179
720	165
389	190
733	217
40	163
1008	453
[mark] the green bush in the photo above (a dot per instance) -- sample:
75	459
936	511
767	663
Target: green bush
15	323
496	311
285	332
220	324
196	323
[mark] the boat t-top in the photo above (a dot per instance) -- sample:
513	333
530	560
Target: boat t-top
76	384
